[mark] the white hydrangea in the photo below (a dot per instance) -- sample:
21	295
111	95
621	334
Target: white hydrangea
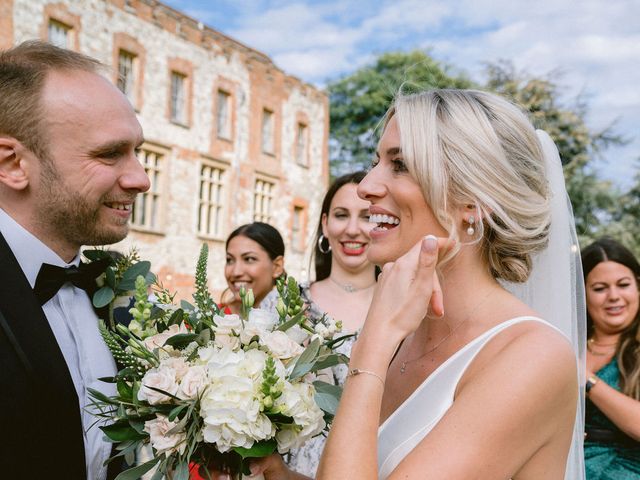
297	401
231	406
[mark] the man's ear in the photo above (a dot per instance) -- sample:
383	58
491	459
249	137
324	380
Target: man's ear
278	266
13	168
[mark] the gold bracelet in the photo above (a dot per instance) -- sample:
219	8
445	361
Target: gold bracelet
357	371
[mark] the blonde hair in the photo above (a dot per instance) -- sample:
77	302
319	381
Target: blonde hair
471	147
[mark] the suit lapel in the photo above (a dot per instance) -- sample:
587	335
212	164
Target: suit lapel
28	331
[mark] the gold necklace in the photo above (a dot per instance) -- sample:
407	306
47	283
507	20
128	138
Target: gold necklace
591	342
348	287
403	367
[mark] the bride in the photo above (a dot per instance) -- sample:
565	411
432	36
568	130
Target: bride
453	376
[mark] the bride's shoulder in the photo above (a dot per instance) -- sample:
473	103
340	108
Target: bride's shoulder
529	351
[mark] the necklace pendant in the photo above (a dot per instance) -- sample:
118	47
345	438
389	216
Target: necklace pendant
349	288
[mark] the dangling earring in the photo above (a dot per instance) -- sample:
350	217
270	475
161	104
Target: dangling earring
471	230
320	240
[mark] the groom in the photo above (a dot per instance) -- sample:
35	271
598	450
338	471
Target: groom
68	177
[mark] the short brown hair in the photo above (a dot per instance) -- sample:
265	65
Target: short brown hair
23	71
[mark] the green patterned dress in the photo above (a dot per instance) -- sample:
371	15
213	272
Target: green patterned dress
610	460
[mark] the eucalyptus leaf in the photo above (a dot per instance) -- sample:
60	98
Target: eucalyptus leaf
327	396
181	340
176	411
124	389
186	306
136	472
176	317
259	449
181	472
121	431
103	297
110	277
150	278
95	254
305	362
128	281
330	361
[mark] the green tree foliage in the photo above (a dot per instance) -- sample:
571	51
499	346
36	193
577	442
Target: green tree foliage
593	199
626	217
359	100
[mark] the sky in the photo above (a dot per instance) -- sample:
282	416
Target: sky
591	47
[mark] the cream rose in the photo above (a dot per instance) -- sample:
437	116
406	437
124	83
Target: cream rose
163	378
193	382
281	346
158	430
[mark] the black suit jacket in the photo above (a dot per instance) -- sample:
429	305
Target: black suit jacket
40	421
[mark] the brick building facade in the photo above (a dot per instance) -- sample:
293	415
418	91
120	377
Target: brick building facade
230	138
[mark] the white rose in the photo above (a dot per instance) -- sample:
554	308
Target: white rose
227	324
162	378
287	439
297	401
281	346
297	334
263	318
249	332
193	382
227	341
158	430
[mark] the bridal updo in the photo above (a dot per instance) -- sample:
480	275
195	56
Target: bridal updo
467	147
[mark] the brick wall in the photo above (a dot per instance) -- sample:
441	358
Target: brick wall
163	40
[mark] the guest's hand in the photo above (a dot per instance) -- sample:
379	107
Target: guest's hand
274	468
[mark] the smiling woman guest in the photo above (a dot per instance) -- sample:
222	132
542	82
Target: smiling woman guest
612	440
255	259
344	281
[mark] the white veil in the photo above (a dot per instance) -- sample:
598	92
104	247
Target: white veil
555	288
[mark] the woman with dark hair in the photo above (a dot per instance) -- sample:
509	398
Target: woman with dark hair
344	280
255	259
612	427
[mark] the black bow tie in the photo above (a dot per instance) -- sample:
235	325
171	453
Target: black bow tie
51	278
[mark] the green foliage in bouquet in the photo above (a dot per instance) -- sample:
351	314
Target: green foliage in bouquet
207	388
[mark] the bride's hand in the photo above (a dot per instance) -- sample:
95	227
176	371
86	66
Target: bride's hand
408	289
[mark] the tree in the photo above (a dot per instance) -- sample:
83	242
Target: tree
593	199
359	100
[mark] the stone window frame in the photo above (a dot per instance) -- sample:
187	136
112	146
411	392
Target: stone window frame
268	139
264	195
302	159
123	42
61	14
153	201
221	182
301	205
183	68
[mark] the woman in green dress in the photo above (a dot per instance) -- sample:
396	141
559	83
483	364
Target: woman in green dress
612	426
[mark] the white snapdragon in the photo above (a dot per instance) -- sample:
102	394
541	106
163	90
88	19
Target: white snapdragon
164	442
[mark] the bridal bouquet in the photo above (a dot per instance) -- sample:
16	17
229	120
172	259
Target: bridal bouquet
207	388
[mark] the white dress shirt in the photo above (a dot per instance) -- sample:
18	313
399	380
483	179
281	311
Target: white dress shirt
74	324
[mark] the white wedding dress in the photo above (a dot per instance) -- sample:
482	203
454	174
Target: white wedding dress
420	413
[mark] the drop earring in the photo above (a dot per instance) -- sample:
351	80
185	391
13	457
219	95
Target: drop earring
471	230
